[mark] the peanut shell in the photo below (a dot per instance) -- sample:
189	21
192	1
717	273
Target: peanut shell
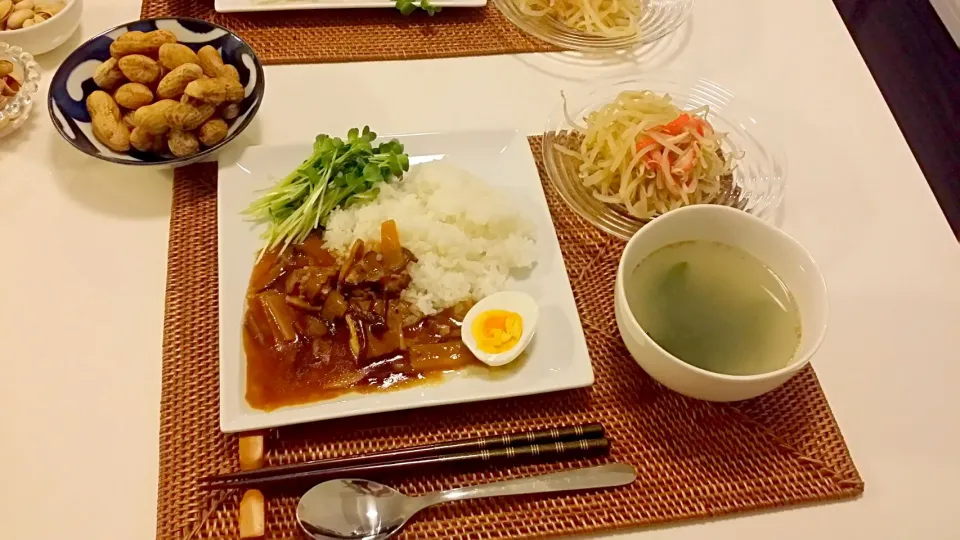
174	83
153	118
105	119
133	96
212	132
173	55
135	42
108	75
139	68
183	143
210	60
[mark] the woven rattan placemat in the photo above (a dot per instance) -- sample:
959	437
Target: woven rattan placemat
356	35
695	459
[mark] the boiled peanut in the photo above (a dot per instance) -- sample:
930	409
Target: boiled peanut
173	55
133	96
139	68
105	118
183	143
128	119
235	91
108	75
174	83
207	110
24	4
6	68
215	91
28	23
186	117
230	72
153	118
143	141
230	111
160	145
212	132
131	35
210	61
208	90
148	43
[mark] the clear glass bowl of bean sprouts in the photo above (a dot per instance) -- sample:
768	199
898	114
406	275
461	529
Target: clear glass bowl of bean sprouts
756	166
596	25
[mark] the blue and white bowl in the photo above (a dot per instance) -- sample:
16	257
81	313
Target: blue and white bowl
73	82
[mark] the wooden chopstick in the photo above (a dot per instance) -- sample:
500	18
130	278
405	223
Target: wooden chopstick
550	450
565	433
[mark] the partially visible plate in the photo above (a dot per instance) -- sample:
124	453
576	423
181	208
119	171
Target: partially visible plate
557	359
236	6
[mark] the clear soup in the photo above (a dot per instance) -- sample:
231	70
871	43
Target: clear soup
715	307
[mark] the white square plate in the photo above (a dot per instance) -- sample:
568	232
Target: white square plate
236	6
556	359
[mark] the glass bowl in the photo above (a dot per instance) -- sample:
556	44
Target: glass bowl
759	177
15	109
657	19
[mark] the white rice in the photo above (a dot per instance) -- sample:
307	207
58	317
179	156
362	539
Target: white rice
466	234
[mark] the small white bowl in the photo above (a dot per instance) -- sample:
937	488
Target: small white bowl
48	35
784	255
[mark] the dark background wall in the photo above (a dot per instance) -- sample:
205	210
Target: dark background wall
916	64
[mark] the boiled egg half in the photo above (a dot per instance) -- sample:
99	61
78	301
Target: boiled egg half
499	327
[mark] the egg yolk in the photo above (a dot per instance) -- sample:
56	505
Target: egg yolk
497	330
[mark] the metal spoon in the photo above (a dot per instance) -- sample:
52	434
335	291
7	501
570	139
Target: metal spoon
367	510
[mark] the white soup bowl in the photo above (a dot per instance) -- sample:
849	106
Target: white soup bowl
780	252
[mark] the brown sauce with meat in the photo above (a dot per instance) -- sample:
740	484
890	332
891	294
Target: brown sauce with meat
317	327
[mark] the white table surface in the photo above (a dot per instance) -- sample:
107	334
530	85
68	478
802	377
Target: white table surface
84	243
